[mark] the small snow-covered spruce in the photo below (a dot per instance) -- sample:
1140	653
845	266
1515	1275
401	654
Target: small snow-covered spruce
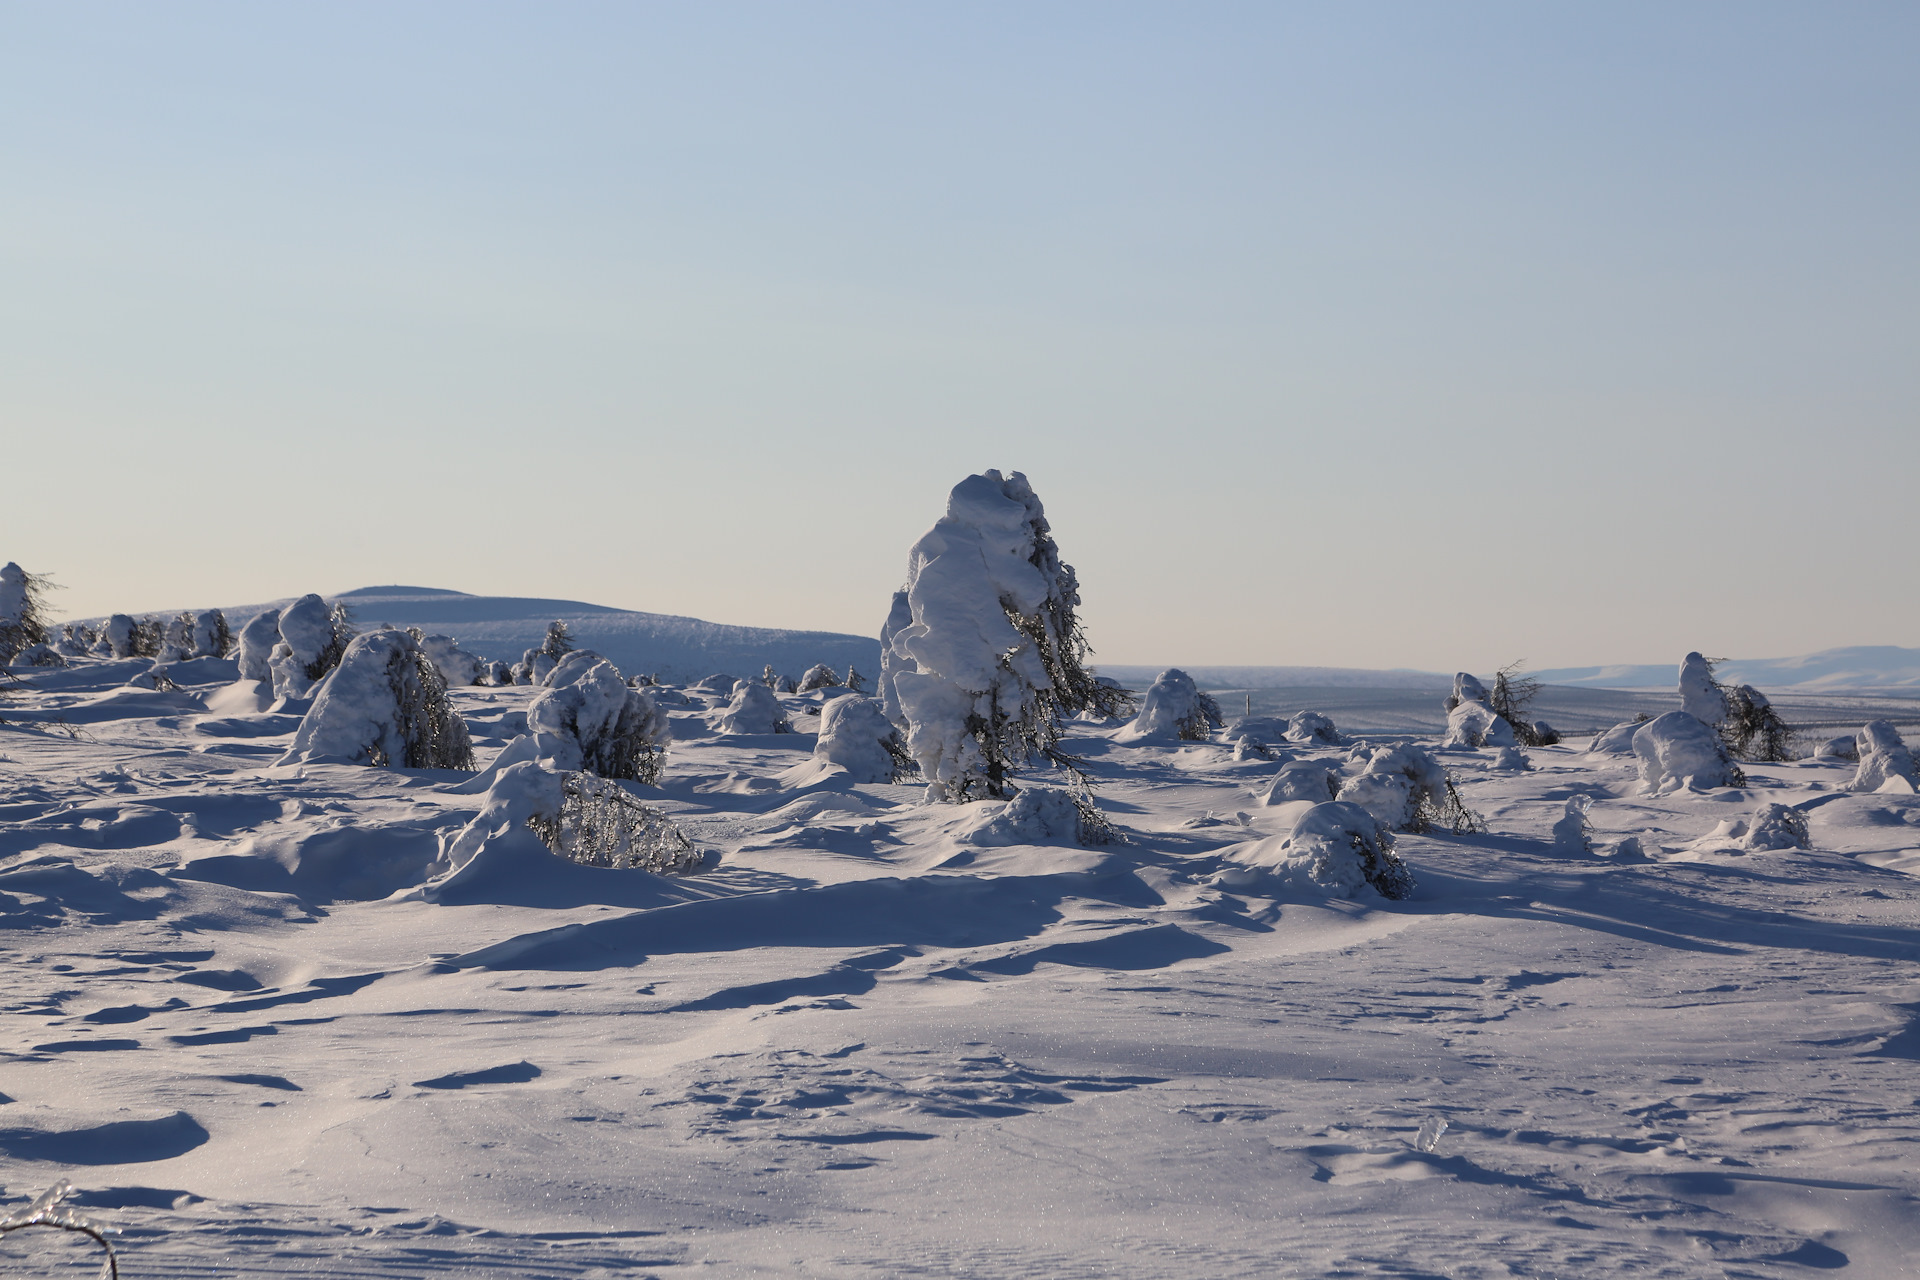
46	1210
984	655
818	676
148	637
1094	828
212	637
1753	730
617	730
769	677
558	642
23	610
855	681
856	735
386	706
600	825
1175	705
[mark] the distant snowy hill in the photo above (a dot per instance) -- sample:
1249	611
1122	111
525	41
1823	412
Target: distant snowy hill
1139	677
502	627
1882	666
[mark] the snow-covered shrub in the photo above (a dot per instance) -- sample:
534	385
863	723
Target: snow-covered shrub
23	611
179	640
458	666
1510	696
1775	828
1573	833
1336	848
558	642
76	640
257	639
313	639
1617	741
1407	789
1844	747
1173	707
818	676
599	824
992	655
1701	696
1042	815
1885	761
1252	749
499	674
856	682
754	709
386	705
616	730
1310	728
856	735
40	655
1753	730
1302	780
1474	725
1677	750
212	637
147	638
1544	734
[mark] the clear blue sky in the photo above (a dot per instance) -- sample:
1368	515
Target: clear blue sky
1358	334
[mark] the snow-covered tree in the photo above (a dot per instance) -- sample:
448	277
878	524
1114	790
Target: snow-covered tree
386	705
605	726
991	655
120	633
149	637
212	637
459	667
1702	696
1884	760
1678	749
1466	688
23	611
1335	848
254	650
313	639
1408	790
1474	725
558	642
819	676
500	674
1174	707
856	735
855	681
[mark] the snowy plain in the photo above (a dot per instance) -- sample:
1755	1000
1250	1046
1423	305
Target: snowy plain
870	1040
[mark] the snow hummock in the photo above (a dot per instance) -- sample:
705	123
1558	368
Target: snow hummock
1313	780
1677	750
754	709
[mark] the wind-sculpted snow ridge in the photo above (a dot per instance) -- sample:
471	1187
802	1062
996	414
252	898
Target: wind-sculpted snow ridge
317	1018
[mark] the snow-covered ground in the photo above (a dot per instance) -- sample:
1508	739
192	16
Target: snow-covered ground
871	1041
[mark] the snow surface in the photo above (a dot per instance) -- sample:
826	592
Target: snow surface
874	1042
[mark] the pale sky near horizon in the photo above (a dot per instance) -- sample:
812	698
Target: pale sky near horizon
1360	335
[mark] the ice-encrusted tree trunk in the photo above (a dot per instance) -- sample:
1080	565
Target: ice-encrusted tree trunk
991	655
23	611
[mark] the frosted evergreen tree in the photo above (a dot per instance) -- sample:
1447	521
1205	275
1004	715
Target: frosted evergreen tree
254	648
990	655
23	611
387	705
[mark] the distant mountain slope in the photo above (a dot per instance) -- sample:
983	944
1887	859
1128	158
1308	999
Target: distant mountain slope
1881	666
675	648
1139	677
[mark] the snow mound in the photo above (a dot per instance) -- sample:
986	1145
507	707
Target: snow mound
1310	728
1474	725
386	705
1037	815
856	735
1336	848
1885	762
1617	741
1302	780
1173	707
1845	747
1676	750
1509	759
754	709
599	722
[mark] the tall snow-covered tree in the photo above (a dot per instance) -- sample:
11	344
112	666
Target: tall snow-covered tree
989	655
